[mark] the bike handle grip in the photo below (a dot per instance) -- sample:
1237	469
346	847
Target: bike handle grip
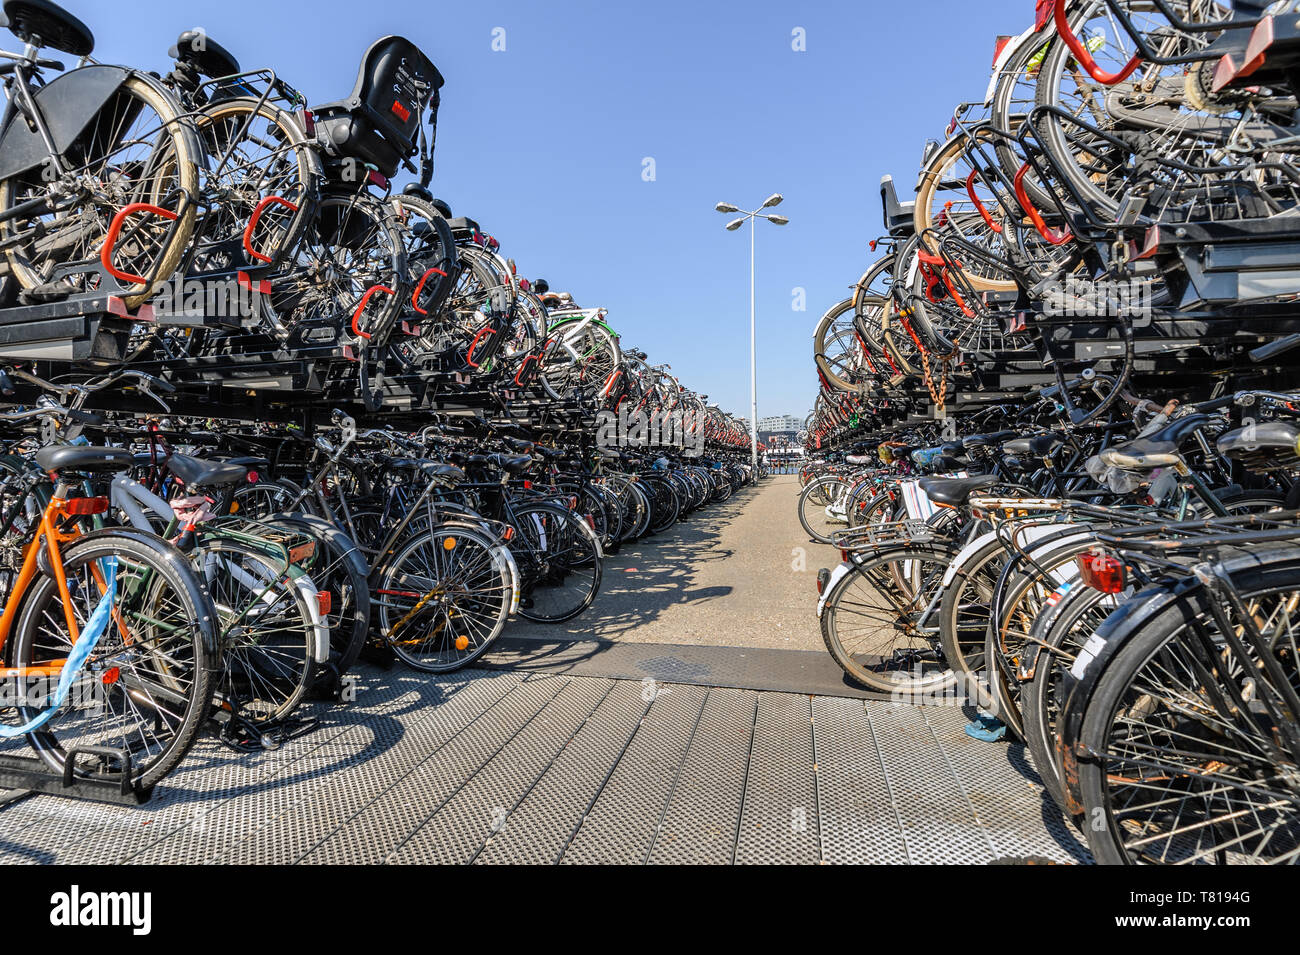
1273	349
83	417
1214	404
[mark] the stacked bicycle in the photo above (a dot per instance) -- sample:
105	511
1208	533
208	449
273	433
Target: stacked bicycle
1055	440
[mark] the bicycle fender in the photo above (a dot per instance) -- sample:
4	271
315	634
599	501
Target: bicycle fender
68	104
320	632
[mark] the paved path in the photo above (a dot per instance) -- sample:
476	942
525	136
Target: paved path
725	577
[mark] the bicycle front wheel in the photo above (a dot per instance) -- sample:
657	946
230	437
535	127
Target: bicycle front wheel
145	689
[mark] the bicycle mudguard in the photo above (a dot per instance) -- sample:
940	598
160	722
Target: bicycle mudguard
1004	56
68	104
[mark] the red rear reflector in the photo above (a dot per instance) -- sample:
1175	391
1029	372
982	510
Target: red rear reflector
1102	572
528	485
326	601
85	506
400	111
509	533
111	676
252	477
591	521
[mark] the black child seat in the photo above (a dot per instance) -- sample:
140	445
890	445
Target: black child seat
380	121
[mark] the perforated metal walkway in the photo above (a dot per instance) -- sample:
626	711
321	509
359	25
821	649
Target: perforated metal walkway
509	766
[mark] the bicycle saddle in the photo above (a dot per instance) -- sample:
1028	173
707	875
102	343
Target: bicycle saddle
433	469
208	57
57	458
531	447
1263	447
249	462
463	227
1156	450
858	460
196	472
954	491
1038	445
511	464
50	24
987	440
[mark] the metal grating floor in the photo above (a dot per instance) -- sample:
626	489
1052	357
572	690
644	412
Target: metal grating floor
492	766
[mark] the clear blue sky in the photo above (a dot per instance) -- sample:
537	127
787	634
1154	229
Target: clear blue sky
543	143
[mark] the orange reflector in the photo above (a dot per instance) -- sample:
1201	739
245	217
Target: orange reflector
300	553
449	543
462	642
111	675
509	533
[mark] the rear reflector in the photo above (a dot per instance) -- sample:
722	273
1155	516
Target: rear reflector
85	506
1102	572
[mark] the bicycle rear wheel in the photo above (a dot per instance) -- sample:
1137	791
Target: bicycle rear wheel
138	149
444	597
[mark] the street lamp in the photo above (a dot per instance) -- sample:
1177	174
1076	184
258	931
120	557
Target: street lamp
732	226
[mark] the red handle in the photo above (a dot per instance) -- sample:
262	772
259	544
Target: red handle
115	227
361	307
415	296
469	355
979	206
252	224
1084	57
1022	197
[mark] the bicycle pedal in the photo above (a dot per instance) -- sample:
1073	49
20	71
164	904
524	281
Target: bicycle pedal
48	292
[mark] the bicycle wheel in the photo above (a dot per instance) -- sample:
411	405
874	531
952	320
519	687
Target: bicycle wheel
444	597
839	354
580	352
258	154
352	245
266	629
876	621
1078	615
137	149
559	562
145	689
822	507
1187	761
943	205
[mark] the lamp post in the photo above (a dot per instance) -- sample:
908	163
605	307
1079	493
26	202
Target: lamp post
732	226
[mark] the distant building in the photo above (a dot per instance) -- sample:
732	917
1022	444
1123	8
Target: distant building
780	423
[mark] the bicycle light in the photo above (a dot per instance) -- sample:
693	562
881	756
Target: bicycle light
1102	572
